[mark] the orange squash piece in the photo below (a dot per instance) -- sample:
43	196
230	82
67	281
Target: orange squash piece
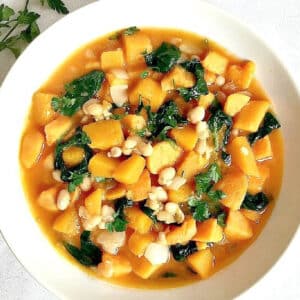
139	190
93	202
137	243
209	231
262	149
143	268
215	62
132	123
256	184
115	193
182	194
112	59
119	263
251	215
67	222
72	156
206	100
201	262
138	220
47	199
185	137
234	103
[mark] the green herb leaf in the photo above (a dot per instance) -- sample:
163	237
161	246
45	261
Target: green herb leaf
6	12
221	219
27	17
181	252
78	92
199	208
169	275
163	58
256	202
100	179
149	212
216	195
89	254
31	32
131	30
144	74
269	124
200	88
57	5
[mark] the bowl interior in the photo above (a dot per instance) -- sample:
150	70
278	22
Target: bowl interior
42	57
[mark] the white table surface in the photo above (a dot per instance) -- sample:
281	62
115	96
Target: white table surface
278	22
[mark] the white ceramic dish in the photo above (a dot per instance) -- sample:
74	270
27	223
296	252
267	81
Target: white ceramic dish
50	49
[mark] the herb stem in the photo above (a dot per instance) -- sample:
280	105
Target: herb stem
9	32
26	5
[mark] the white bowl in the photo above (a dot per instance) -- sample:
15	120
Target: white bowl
50	49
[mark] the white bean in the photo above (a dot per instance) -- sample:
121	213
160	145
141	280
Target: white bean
196	114
63	199
166	176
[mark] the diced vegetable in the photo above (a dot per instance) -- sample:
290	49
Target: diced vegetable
112	59
149	91
116	193
242	156
237	227
234	185
57	128
47	199
165	154
138	221
73	156
183	233
137	243
130	170
182	194
42	111
118	264
93	202
215	62
234	103
185	137
67	222
256	184
241	75
133	123
262	149
206	100
143	268
139	190
251	115
104	134
209	231
201	262
31	148
251	215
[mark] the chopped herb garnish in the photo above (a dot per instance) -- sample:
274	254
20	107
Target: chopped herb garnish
163	58
216	195
78	92
181	252
115	36
142	132
199	208
169	275
269	124
131	30
200	88
144	74
100	179
88	254
221	219
73	175
148	211
256	202
56	5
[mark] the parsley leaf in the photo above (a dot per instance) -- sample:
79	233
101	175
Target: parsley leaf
144	74
200	88
256	202
5	12
181	252
78	92
163	58
199	208
131	30
27	17
269	124
221	219
88	254
56	5
216	195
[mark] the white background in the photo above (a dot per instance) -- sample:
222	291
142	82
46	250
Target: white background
278	22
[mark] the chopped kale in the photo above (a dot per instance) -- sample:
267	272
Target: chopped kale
181	252
256	202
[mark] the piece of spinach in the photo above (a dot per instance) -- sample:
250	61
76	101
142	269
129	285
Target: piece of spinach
269	124
88	254
169	275
226	157
221	218
148	211
131	30
256	202
119	223
73	175
163	58
181	252
200	88
78	92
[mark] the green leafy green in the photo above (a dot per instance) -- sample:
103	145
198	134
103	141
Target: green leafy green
256	202
76	174
56	5
131	30
181	252
163	58
199	208
119	223
78	92
200	88
88	254
144	74
221	219
215	195
226	157
6	12
269	124
169	275
148	211
100	179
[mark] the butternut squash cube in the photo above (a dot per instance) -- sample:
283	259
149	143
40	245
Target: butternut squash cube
176	78
100	165
241	75
251	115
183	106
67	222
132	123
143	268
138	220
112	59
164	155
130	170
182	194
119	264
116	193
215	62
57	128
73	156
201	262
256	184
209	231
149	91
191	165
262	149
185	137
31	148
206	100
237	227
139	190
47	199
242	156
104	134
183	233
234	103
42	111
234	184
135	45
138	243
93	202
251	215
